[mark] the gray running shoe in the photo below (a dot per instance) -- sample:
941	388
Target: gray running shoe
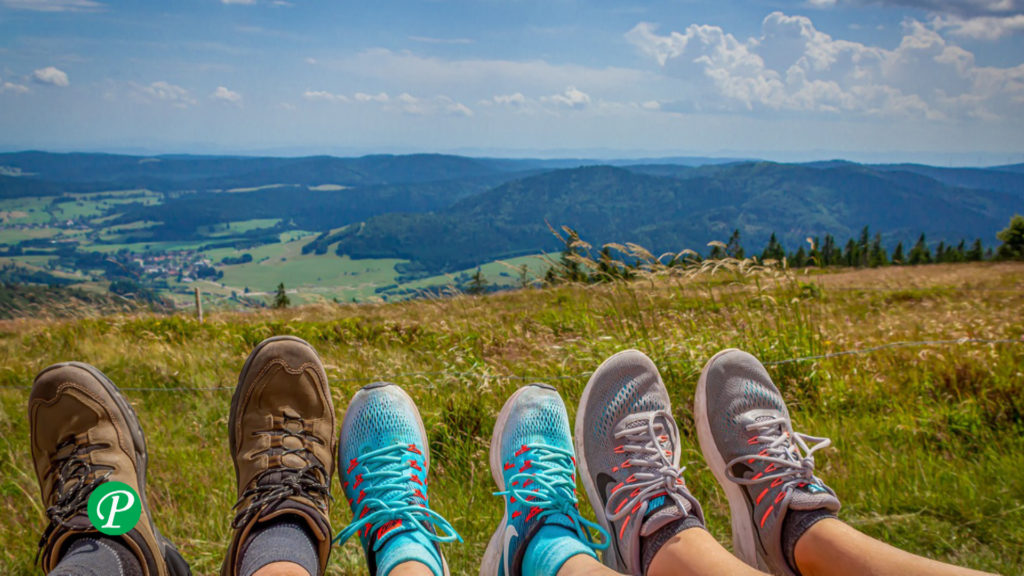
627	445
765	467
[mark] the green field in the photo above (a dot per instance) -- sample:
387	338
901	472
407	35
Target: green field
241	227
927	439
13	236
314	277
25	211
499	274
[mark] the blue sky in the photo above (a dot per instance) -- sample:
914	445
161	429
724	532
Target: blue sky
940	81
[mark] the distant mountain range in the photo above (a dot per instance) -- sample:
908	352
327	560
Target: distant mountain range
447	213
609	204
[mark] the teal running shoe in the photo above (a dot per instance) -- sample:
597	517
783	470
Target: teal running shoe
532	463
765	468
383	460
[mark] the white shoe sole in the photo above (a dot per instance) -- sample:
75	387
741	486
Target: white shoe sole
492	556
581	462
744	536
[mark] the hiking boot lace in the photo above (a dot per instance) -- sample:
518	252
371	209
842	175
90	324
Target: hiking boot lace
648	448
787	453
548	483
308	481
389	498
75	480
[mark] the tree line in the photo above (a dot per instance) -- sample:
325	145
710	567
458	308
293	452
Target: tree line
864	251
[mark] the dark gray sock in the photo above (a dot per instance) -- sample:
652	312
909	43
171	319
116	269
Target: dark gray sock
793	527
97	555
650	545
284	541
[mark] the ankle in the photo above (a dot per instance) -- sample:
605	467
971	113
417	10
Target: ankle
651	545
811	553
408	553
282	569
283	547
796	524
551	548
411	568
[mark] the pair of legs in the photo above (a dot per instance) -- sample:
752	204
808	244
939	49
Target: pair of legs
285	446
627	448
283	442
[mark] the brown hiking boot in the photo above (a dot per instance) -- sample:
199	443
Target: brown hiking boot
281	432
84	433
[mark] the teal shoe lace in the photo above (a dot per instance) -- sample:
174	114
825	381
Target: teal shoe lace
548	487
391	499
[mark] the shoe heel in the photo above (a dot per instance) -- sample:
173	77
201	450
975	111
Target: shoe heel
176	565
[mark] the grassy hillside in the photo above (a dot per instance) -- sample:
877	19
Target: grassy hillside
928	440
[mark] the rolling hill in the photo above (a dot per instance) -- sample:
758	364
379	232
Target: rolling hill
608	204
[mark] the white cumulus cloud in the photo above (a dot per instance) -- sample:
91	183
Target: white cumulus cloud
52	76
166	92
223	94
364	97
572	97
12	87
980	27
794	66
410	104
325	96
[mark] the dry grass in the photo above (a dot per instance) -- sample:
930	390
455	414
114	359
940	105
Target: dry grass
927	439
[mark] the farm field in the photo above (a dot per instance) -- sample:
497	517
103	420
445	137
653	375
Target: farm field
927	435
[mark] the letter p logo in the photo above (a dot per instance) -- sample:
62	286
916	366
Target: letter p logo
114	508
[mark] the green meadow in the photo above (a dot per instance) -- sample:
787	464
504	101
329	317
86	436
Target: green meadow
928	439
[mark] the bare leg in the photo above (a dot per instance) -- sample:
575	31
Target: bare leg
410	568
833	548
697	552
583	565
281	569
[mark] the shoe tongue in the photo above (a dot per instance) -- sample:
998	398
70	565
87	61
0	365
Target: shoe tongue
633	422
395	528
661	511
812	497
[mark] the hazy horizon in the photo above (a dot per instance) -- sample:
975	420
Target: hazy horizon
962	160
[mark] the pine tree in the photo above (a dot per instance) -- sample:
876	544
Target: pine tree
814	257
976	253
774	250
960	254
877	255
828	250
920	254
717	253
1012	237
940	252
897	255
568	269
733	247
477	283
281	299
799	260
609	271
524	276
850	256
863	248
